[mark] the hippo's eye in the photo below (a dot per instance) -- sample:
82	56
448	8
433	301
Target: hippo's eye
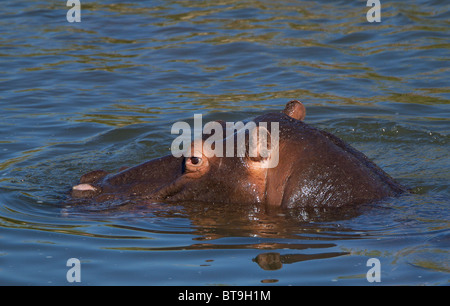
196	161
195	167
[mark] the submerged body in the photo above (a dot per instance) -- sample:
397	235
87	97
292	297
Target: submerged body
314	169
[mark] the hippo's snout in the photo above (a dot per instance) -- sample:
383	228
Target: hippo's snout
86	188
84	191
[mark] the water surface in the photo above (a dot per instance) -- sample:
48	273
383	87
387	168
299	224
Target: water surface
105	92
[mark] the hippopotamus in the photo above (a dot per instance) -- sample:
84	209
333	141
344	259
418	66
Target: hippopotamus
314	169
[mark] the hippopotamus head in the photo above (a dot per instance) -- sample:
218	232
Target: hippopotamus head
294	165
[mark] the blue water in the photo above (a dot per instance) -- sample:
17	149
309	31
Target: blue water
104	93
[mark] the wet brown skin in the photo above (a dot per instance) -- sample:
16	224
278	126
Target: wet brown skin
315	169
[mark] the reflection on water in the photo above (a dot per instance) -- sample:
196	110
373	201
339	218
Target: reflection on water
104	93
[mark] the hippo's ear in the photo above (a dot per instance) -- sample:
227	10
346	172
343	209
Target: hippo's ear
295	109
